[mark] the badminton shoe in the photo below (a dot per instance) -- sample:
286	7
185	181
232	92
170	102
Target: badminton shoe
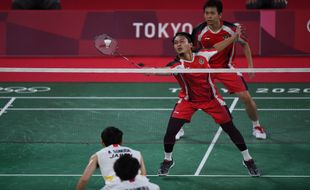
259	132
179	134
253	170
165	167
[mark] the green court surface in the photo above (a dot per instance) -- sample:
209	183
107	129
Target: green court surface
49	130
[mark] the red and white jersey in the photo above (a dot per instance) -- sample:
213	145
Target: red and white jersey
204	37
137	184
107	157
196	87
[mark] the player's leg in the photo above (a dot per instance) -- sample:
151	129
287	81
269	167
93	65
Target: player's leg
238	140
181	114
250	105
174	126
251	109
222	116
181	132
235	83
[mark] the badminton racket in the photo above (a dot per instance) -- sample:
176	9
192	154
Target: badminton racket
106	45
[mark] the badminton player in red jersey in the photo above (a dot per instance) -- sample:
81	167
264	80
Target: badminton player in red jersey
214	30
199	92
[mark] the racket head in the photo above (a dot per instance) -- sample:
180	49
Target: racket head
105	44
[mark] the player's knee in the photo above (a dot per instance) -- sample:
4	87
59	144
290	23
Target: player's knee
245	97
173	128
169	138
228	127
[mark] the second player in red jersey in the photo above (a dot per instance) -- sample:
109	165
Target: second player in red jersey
213	31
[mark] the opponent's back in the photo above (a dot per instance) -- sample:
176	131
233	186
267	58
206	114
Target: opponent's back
107	157
137	184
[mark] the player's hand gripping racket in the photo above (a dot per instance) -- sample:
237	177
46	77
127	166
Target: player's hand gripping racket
108	46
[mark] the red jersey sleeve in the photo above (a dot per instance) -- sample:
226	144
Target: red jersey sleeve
173	64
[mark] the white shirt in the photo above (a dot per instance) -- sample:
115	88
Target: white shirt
106	159
140	183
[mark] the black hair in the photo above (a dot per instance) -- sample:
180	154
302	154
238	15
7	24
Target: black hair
111	135
126	167
214	3
185	34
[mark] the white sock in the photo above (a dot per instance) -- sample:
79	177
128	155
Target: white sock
168	156
255	123
246	155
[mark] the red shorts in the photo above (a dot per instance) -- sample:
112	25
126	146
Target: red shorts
185	110
232	81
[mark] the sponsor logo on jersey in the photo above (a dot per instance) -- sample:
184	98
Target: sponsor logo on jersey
308	25
201	61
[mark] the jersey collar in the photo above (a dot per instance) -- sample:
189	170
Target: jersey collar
183	60
216	32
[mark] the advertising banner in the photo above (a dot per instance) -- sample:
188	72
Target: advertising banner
143	33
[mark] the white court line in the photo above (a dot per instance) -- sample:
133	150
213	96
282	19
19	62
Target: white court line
140	109
7	105
237	176
94	97
140	98
90	109
277	109
210	176
217	135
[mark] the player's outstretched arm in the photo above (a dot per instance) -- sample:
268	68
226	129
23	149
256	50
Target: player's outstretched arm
88	172
248	54
223	44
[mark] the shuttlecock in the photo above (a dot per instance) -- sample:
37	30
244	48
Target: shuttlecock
107	42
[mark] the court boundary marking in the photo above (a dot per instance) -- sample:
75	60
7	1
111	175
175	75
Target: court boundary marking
141	97
214	140
139	109
7	105
12	99
208	175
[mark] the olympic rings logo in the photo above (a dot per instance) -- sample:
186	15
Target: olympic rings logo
308	25
23	90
